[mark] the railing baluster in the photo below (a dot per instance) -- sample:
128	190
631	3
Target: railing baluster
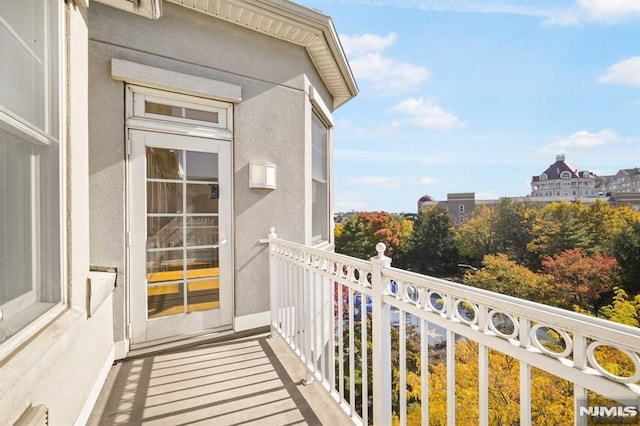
424	370
322	358
298	310
579	400
352	368
364	358
287	303
308	335
525	394
314	328
402	342
451	377
341	340
579	393
483	384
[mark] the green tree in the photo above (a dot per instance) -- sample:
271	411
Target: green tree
433	249
625	247
558	228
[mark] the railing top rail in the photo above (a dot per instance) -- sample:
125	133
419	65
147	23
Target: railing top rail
585	325
333	257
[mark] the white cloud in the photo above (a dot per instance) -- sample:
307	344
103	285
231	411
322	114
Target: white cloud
428	114
610	11
387	75
626	73
366	43
601	11
583	140
387	181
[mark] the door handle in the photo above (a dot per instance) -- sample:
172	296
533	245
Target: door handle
220	243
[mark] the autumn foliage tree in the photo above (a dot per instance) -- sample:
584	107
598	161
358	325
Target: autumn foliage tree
583	279
362	231
505	276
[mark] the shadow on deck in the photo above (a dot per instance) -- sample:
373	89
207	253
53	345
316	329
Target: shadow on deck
249	380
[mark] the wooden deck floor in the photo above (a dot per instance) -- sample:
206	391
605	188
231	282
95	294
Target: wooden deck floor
252	380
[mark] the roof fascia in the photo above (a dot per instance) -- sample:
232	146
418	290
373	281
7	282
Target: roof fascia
296	24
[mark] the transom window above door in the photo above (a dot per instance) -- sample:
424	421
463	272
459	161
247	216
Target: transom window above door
192	110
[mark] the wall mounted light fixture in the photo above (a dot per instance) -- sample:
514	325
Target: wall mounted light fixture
262	174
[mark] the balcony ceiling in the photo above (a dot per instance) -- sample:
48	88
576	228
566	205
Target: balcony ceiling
296	24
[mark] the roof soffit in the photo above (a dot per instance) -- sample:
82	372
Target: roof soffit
293	23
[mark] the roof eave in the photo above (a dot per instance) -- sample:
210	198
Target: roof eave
296	24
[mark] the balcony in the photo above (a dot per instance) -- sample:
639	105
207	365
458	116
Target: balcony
358	333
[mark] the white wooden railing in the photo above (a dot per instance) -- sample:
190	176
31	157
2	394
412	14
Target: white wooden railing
320	303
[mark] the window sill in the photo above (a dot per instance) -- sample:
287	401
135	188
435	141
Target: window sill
11	343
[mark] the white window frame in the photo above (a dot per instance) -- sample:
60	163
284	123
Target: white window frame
34	315
322	112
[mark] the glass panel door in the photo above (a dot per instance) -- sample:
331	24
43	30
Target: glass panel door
180	198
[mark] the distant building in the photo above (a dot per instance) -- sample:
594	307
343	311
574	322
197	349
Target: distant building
563	180
559	182
626	180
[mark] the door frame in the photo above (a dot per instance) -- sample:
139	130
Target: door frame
135	121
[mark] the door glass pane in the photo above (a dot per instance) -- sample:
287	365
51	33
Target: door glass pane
202	166
202	198
204	284
203	294
164	197
176	179
164	232
202	231
165	164
165	300
165	283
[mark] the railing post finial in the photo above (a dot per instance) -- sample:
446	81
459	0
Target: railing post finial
272	232
380	248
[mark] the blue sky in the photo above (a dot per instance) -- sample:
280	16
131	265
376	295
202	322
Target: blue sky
480	95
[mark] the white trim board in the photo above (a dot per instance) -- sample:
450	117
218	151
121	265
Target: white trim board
90	402
248	322
134	73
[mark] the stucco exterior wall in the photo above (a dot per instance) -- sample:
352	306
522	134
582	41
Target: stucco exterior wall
269	124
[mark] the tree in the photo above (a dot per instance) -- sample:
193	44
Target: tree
476	236
360	234
584	279
559	227
503	228
433	248
505	276
625	247
513	228
623	310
